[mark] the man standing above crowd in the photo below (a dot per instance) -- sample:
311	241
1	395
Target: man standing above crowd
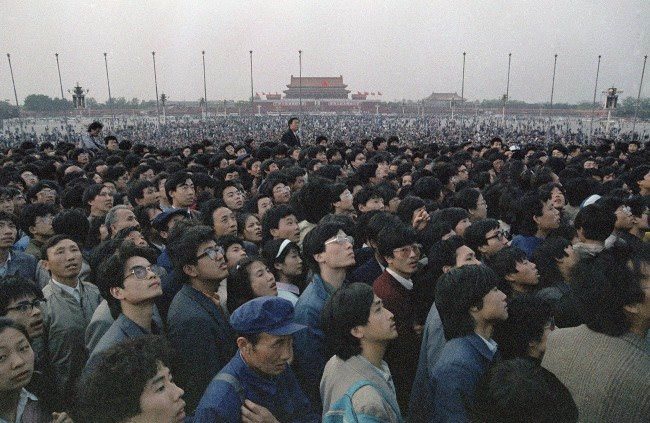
92	139
290	137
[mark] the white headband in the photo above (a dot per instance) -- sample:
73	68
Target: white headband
282	247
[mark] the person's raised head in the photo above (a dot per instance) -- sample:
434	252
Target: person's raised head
233	249
555	259
20	300
326	246
196	255
514	269
118	218
398	247
466	296
131	382
98	199
61	257
265	328
485	237
250	278
179	189
127	276
594	223
353	318
280	222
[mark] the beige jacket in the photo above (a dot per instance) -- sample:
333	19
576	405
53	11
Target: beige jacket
609	377
339	375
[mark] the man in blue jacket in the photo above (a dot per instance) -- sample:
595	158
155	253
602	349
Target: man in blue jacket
258	384
470	304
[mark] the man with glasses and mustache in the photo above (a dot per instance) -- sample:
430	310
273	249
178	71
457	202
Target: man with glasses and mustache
397	246
130	285
197	326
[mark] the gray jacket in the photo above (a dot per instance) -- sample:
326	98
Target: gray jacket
65	321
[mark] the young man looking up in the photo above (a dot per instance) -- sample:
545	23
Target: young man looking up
518	274
485	237
358	330
37	222
179	190
197	327
394	286
70	304
470	304
328	252
219	217
99	200
130	286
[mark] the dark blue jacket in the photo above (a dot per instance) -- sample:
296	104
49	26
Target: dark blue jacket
22	264
309	344
462	362
281	395
203	339
367	272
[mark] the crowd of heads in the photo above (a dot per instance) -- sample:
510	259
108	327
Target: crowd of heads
500	237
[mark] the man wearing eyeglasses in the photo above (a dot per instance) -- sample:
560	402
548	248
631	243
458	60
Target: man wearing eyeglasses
485	237
197	326
329	253
397	245
130	285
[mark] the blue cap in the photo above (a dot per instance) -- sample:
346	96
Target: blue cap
273	315
160	222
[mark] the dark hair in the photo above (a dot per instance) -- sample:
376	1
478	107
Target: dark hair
346	309
173	181
364	195
451	215
466	198
428	188
111	272
135	190
605	284
394	237
528	316
526	208
272	218
291	119
13	288
475	234
504	263
521	391
72	223
239	283
90	192
546	257
110	391
270	253
6	323
184	243
109	138
52	241
32	211
407	207
314	242
95	125
459	290
596	222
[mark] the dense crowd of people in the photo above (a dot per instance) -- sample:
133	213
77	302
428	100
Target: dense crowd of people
358	272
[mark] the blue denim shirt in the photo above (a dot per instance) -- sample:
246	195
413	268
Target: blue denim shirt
281	395
309	344
462	362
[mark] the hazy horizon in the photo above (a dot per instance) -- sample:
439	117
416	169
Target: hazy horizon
405	49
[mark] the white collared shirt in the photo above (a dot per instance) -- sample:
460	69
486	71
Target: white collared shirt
75	292
491	344
406	283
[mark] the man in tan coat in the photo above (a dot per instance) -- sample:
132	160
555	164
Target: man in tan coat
606	363
358	329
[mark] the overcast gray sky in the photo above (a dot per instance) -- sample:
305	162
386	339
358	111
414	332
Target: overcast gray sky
405	49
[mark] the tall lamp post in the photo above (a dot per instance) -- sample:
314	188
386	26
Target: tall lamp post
505	99
250	52
155	80
110	97
65	112
300	79
20	121
462	95
205	90
638	97
593	106
552	92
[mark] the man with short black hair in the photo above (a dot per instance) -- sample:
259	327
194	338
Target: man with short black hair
92	140
485	237
13	262
37	222
290	137
518	274
594	224
70	304
179	189
328	252
358	330
397	246
280	222
197	327
142	193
